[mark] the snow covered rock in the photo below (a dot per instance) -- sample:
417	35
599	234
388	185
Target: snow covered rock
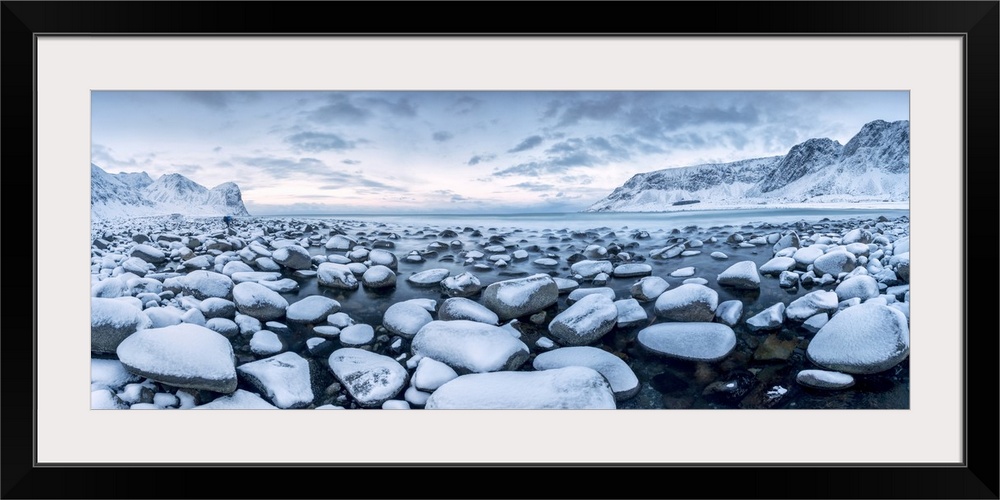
379	257
688	302
214	307
807	255
184	355
239	400
470	346
312	309
357	335
864	339
572	387
620	376
823	379
462	308
164	316
206	284
378	277
293	257
566	285
258	301
111	321
861	287
585	321
370	378
692	341
109	374
517	297
630	312
340	242
406	318
580	293
649	288
729	312
742	275
110	288
336	276
590	268
224	326
769	319
790	240
777	265
632	270
431	374
834	262
148	253
462	285
430	277
810	304
265	343
283	379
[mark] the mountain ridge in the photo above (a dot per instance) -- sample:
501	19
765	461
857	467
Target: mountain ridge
873	167
128	194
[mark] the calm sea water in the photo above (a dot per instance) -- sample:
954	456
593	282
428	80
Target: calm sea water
628	220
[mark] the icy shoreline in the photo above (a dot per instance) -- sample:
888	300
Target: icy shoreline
328	313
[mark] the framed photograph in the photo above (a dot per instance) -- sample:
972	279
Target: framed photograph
679	246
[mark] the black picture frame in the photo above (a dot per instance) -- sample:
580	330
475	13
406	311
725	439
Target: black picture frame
978	23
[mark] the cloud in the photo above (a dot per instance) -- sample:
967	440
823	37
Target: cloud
533	186
401	107
217	149
186	169
358	183
602	108
465	105
450	195
339	108
442	135
526	144
476	160
214	100
283	168
350	162
556	165
315	142
576	152
218	100
106	158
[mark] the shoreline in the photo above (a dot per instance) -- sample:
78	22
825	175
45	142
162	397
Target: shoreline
170	271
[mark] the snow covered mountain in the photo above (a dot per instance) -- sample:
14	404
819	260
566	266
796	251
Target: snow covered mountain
137	195
872	168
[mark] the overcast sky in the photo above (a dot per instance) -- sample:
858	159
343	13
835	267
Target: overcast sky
455	152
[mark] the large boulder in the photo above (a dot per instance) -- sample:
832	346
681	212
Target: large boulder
258	301
184	355
688	302
112	321
470	346
370	378
571	387
691	341
864	339
585	321
514	298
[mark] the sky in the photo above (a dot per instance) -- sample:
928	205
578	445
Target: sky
455	152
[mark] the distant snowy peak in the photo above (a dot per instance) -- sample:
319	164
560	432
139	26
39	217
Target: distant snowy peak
872	167
137	194
880	145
